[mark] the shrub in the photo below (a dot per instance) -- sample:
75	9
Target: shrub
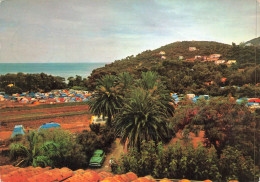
179	161
55	148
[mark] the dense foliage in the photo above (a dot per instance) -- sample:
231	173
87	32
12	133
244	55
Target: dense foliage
137	109
224	122
59	148
30	82
142	117
185	161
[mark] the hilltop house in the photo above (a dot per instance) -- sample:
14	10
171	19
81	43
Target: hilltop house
231	62
198	57
220	62
162	53
163	57
213	56
192	49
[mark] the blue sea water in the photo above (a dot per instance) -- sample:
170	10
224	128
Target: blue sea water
56	69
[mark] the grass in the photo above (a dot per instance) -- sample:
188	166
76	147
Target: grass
48	116
22	115
43	106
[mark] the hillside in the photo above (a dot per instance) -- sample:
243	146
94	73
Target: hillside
166	61
254	42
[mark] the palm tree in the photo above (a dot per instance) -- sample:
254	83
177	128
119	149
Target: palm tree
107	100
33	154
152	82
125	81
142	118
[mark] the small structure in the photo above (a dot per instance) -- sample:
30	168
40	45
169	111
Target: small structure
181	57
18	130
190	96
163	57
192	48
220	62
198	57
162	53
231	62
223	80
212	56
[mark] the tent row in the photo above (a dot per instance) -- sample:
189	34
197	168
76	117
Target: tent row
50	97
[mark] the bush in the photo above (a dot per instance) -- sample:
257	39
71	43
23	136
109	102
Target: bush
178	161
55	148
235	166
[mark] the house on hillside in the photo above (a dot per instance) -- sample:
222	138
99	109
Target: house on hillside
217	62
192	48
181	57
198	57
223	80
163	57
231	62
162	53
213	56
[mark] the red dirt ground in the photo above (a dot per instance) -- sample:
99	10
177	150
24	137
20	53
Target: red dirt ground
72	123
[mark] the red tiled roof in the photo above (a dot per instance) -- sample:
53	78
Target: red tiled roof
9	173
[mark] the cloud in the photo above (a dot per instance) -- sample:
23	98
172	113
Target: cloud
84	30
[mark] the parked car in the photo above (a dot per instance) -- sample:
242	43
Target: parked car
97	159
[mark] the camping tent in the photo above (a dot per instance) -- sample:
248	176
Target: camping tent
49	125
18	130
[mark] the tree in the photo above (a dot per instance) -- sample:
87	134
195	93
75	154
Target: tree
224	122
125	80
31	154
152	82
106	101
55	148
143	117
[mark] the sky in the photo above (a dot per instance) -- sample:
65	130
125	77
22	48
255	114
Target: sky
38	31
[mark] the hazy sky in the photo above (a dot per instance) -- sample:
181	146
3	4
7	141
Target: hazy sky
107	30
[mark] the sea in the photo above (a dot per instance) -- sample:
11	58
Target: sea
64	70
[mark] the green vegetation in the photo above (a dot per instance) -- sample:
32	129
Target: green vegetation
141	118
144	117
30	82
55	148
185	161
58	148
139	110
107	99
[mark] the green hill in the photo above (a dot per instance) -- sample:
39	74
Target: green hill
177	72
